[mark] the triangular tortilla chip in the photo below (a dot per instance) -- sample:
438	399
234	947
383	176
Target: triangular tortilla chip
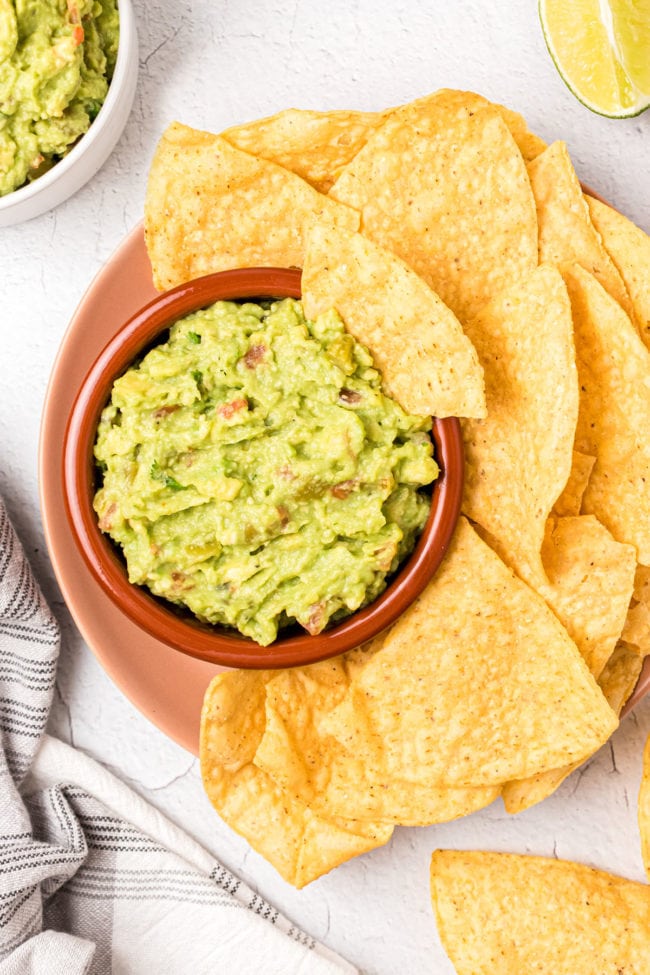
210	207
444	186
309	764
519	458
566	233
412	712
636	632
301	845
614	415
314	145
427	363
629	248
501	914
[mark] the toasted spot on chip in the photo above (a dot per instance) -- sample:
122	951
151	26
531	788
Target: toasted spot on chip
314	145
502	913
444	186
644	809
518	459
427	363
614	415
570	501
301	845
629	248
566	233
476	625
210	207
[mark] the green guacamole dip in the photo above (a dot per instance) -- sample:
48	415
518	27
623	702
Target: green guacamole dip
254	471
56	62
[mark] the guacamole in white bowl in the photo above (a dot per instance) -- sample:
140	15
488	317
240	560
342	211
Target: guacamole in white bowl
253	470
56	62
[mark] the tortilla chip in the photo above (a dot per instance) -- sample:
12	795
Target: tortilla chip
529	144
445	188
297	702
409	713
427	363
301	845
614	416
621	675
629	248
519	458
636	632
570	501
591	577
210	207
644	809
502	914
591	580
313	145
566	233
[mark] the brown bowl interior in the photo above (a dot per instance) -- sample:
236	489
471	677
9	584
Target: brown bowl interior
162	620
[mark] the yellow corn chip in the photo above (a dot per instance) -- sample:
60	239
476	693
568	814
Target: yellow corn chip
210	207
313	767
644	809
519	458
300	845
427	363
314	145
614	415
621	675
570	501
410	716
590	580
629	248
445	188
566	233
636	632
501	914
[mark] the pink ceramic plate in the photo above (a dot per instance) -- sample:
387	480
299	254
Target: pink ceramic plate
166	686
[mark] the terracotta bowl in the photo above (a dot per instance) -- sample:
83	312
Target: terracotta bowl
178	628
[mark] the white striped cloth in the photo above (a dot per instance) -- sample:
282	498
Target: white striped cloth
92	878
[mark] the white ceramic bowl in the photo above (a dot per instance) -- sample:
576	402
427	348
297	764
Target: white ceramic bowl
94	148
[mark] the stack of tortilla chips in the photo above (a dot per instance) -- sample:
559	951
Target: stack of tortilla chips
463	253
497	912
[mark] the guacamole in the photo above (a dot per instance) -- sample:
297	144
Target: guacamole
56	62
253	470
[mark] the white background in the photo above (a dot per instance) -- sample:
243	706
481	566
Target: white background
211	64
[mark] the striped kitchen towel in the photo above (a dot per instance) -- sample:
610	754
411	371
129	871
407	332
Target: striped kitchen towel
92	878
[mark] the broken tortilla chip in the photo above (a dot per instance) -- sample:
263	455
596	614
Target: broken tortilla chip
427	363
517	461
445	188
507	914
210	207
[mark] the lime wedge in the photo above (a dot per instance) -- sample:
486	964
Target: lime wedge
602	52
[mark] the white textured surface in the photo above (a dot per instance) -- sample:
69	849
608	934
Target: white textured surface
213	64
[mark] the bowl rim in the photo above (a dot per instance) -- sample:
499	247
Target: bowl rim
192	637
120	77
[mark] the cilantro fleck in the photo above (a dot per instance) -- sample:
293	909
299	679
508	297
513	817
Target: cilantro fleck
158	474
194	337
